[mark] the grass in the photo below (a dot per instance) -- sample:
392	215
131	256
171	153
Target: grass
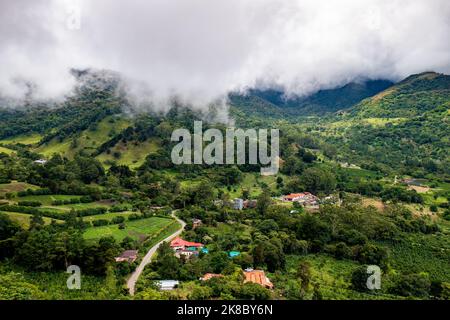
253	182
28	139
332	275
131	154
24	219
6	150
108	216
46	200
89	139
15	186
53	147
137	229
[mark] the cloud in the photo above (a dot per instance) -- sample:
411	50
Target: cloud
198	50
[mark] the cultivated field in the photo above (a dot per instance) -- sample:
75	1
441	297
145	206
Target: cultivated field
137	229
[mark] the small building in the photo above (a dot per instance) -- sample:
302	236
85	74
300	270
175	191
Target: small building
209	276
304	198
167	284
186	253
205	250
258	277
196	223
40	161
129	256
238	204
233	254
250	204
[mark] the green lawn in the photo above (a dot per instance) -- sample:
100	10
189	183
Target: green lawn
138	229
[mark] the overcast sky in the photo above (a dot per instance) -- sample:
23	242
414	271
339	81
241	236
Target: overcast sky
201	49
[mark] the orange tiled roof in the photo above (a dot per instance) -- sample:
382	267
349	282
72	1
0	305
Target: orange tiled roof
259	277
178	242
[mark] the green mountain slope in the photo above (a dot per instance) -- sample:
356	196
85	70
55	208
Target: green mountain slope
404	127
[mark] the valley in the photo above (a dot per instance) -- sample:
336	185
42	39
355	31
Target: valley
364	180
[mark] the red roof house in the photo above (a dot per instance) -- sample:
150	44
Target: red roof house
179	243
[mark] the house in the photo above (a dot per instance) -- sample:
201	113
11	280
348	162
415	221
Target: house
196	223
238	204
250	204
185	248
128	256
258	277
180	244
40	161
304	198
208	276
186	253
167	284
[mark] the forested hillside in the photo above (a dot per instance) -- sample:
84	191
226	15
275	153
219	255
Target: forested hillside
82	182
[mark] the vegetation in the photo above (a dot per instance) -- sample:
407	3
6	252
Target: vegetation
379	168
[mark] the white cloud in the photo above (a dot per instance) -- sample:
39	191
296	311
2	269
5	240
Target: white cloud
201	49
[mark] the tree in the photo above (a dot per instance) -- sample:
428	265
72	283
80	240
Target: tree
359	279
304	274
318	180
412	285
14	287
8	228
373	254
263	202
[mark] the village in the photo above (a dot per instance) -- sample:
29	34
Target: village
183	249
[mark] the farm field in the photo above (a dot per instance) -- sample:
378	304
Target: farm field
24	219
46	200
108	216
137	229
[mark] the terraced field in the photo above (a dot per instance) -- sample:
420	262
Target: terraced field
24	219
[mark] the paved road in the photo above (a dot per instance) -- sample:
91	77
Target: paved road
148	257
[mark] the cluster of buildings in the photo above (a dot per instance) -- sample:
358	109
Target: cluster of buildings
240	204
186	248
304	198
129	256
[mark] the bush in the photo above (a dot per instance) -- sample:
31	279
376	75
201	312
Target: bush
100	222
118	219
411	285
29	203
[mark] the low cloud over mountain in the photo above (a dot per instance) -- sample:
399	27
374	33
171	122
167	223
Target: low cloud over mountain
199	50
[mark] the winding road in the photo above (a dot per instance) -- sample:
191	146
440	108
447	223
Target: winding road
131	283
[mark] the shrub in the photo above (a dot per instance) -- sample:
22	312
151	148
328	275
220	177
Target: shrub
29	203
